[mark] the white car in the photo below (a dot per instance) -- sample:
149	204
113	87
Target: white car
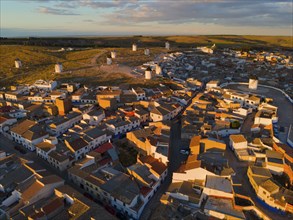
185	152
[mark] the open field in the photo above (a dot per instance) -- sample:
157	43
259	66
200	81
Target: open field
87	65
158	41
84	66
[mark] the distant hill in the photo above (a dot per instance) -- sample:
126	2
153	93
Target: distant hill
156	41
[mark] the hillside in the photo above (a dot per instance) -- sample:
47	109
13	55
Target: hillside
85	64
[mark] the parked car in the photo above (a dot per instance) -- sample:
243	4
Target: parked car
185	152
88	196
110	209
20	149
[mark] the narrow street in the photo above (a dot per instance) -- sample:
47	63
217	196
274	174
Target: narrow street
175	159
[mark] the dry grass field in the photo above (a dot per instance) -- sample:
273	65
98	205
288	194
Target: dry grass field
87	65
193	41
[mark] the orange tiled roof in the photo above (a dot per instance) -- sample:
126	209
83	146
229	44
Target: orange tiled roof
32	190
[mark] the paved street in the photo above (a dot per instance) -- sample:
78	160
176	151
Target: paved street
246	126
175	159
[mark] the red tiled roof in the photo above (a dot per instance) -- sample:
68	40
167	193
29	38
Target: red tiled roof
2	120
145	190
55	204
104	161
104	147
6	108
129	114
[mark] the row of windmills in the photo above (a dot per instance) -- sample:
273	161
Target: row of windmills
113	54
58	66
134	47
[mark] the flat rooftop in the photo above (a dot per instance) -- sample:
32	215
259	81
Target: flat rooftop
219	183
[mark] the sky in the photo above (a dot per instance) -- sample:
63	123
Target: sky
23	18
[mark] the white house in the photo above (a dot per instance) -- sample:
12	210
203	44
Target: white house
95	137
28	133
38	97
164	111
238	142
140	93
218	186
120	126
141	113
56	94
242	111
77	145
205	50
191	174
47	146
265	117
252	102
239	97
11	96
212	84
275	162
94	117
78	95
124	195
45	85
6	122
59	125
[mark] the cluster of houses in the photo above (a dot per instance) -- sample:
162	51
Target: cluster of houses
124	189
71	128
29	191
205	184
207	64
218	112
78	131
202	187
